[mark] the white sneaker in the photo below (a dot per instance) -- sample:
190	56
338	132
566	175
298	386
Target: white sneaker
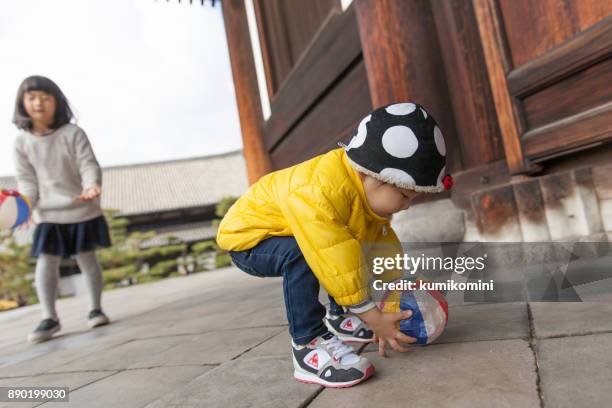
327	361
349	327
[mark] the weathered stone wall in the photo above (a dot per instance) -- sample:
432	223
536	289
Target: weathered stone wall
570	205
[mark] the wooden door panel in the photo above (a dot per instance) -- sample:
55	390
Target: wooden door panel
558	98
534	27
331	119
570	96
286	29
335	48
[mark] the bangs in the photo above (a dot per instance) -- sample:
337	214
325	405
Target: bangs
39	83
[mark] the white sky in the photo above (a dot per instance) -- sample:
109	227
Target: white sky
149	80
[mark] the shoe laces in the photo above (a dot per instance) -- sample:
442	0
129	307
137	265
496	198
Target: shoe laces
340	351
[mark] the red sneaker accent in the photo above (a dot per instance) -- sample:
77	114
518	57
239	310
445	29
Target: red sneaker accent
348	324
368	373
314	361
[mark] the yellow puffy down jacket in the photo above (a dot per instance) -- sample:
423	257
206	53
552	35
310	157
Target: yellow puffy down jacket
322	203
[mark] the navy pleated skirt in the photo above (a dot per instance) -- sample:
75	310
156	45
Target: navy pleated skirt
66	240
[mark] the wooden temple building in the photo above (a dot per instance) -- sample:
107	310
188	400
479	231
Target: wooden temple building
522	90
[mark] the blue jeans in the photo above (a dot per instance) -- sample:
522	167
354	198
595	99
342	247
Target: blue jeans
281	256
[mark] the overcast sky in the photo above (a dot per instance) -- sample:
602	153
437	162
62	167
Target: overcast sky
149	80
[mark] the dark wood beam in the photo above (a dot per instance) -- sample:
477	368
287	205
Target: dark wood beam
498	65
468	82
594	126
403	60
247	91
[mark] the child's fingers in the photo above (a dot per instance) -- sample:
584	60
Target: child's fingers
402	315
395	346
381	347
405	338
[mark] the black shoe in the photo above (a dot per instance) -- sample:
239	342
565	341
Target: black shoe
349	327
44	331
97	318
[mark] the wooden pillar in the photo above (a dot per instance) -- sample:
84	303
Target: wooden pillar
247	91
468	82
498	64
403	60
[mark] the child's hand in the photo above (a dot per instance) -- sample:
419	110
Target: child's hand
26	225
90	193
386	332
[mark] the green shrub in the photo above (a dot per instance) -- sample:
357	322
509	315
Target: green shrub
16	271
224	205
147	278
204	246
222	260
171	250
163	268
116	275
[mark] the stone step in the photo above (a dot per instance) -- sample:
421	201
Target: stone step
437	221
556	207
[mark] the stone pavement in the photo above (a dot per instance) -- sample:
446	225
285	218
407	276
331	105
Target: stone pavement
220	339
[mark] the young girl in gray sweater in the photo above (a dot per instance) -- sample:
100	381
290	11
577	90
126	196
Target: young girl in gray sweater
58	171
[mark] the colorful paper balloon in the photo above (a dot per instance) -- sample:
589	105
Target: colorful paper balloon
14	209
429	312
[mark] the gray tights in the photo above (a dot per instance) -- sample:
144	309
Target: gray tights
47	279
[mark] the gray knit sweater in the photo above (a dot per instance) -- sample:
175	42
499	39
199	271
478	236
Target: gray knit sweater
53	170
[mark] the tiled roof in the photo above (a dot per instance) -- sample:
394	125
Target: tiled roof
170	185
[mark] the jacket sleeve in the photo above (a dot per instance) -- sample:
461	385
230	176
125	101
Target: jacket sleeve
86	161
319	225
387	245
27	181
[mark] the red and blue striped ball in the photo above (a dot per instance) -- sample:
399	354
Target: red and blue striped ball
14	209
429	312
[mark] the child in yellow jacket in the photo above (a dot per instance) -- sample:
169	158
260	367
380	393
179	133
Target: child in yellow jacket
309	224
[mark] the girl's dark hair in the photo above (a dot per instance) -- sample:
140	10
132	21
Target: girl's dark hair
63	113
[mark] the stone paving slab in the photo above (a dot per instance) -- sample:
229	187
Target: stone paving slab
122	356
244	382
479	322
72	380
571	318
39	358
279	345
237	321
576	371
229	320
480	374
491	321
134	300
210	348
133	388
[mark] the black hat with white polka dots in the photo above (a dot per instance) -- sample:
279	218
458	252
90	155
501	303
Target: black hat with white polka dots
401	144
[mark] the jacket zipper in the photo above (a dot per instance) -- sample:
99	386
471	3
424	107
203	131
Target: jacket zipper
384	230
